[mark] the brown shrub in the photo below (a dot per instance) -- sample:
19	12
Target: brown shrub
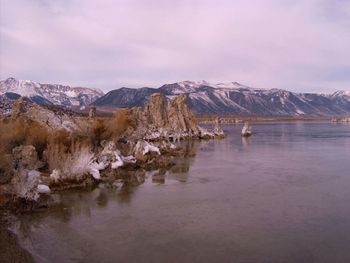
61	145
16	132
99	132
5	167
61	138
12	134
119	123
107	129
37	136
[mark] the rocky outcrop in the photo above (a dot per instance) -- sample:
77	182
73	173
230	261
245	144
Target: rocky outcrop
180	117
92	112
217	128
155	111
56	119
167	120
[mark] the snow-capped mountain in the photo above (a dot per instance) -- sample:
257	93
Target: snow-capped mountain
235	98
50	93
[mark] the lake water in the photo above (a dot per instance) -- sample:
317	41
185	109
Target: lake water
282	195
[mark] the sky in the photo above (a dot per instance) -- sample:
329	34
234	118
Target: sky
301	46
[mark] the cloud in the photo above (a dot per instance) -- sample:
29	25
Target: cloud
295	45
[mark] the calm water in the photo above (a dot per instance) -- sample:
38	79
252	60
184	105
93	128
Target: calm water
282	195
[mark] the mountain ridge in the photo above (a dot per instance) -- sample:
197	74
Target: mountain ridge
234	98
230	98
55	94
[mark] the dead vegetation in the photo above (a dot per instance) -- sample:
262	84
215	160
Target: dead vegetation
62	150
16	132
108	128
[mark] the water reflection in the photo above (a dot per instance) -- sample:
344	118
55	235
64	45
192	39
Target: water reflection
245	142
70	203
280	196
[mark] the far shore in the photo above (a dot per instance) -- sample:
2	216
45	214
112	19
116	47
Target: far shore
239	118
109	112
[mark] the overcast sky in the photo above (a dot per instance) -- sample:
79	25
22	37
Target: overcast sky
289	44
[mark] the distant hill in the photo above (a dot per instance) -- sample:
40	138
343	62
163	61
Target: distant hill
203	98
234	98
46	94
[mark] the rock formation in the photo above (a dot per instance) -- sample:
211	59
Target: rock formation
180	117
92	112
162	119
54	120
156	112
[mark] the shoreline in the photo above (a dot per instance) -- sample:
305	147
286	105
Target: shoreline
234	119
52	150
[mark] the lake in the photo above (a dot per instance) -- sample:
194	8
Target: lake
282	195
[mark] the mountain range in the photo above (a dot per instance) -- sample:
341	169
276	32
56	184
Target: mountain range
236	99
203	98
49	94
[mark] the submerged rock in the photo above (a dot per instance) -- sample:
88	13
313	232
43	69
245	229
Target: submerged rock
246	130
218	132
118	184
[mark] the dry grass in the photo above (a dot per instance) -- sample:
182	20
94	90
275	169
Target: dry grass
108	129
5	163
12	134
71	156
119	123
37	136
59	147
18	132
98	132
63	150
